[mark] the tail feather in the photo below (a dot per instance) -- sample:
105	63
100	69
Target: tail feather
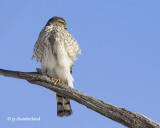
63	106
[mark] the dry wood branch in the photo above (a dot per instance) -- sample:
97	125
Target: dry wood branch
120	115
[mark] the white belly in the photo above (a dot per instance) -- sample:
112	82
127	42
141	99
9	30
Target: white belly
58	65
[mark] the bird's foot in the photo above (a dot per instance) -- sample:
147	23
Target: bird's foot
56	80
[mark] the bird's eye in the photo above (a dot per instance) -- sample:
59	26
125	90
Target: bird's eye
60	21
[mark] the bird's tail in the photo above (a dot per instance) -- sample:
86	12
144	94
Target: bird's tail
63	106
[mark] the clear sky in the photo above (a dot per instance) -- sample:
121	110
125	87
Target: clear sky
120	64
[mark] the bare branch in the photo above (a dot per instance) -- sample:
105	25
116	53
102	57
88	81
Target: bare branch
120	115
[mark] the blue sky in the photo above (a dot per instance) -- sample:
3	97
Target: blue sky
120	63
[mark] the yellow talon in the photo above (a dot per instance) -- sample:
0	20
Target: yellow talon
56	80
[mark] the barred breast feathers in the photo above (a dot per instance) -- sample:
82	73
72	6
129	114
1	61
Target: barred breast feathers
41	44
70	43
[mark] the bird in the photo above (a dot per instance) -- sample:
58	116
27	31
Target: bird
56	49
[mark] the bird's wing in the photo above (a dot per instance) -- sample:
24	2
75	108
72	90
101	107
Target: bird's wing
41	44
71	46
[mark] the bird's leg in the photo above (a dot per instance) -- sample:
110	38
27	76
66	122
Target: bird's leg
56	80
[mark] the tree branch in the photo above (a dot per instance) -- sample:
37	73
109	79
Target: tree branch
120	115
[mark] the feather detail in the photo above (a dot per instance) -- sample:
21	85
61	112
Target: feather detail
63	106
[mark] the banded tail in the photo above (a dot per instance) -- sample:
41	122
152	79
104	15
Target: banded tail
63	106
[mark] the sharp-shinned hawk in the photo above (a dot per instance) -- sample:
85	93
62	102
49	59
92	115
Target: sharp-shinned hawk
56	49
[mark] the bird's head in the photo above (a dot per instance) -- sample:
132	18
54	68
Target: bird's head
57	21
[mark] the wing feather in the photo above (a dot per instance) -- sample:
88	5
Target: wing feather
71	46
41	44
